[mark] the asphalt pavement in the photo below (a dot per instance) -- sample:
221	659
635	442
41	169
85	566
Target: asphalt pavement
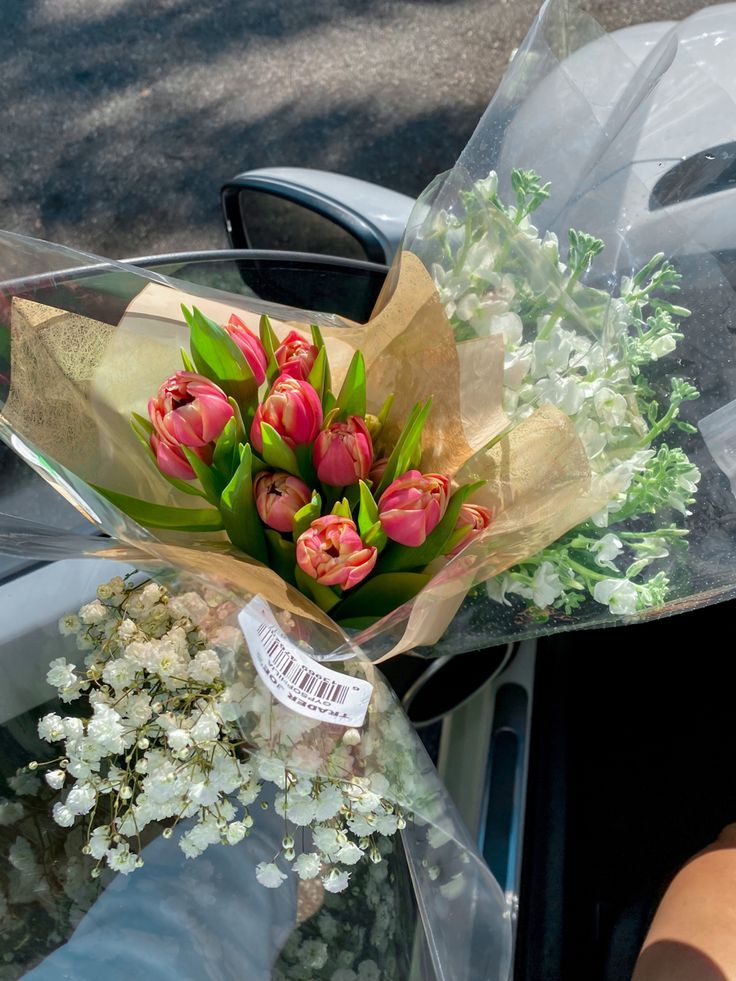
120	119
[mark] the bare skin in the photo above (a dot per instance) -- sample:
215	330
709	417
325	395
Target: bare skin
693	934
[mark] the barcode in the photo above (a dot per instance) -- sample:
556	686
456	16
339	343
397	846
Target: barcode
297	674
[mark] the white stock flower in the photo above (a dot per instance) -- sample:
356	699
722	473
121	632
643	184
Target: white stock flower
606	549
336	880
307	865
546	585
619	595
269	875
610	406
662	346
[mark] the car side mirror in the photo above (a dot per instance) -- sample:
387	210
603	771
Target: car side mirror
300	210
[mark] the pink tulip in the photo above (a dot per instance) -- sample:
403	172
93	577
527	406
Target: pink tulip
294	410
474	518
412	506
331	552
343	453
250	345
189	410
295	356
278	497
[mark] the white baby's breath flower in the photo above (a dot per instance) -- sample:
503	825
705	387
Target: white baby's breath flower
93	613
205	667
269	875
121	859
307	865
235	832
51	727
81	798
63	815
178	739
69	625
336	880
61	674
99	842
619	595
55	779
349	854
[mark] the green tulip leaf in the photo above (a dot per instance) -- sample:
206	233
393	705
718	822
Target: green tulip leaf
352	397
218	357
276	452
303	454
376	537
226	456
406	445
380	595
270	343
281	555
210	481
187	361
368	510
239	514
397	557
306	515
318	374
161	516
342	509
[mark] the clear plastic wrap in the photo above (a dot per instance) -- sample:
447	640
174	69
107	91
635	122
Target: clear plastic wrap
584	372
262	791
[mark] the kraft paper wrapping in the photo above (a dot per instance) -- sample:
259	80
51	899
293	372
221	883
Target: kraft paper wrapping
76	381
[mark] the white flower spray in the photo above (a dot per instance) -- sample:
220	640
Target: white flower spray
584	351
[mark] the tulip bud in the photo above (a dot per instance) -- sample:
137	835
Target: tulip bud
188	410
412	506
474	519
278	497
377	471
250	346
294	410
343	453
331	552
295	356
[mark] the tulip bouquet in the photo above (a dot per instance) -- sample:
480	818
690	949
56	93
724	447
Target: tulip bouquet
300	478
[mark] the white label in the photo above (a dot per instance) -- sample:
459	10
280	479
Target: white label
295	679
